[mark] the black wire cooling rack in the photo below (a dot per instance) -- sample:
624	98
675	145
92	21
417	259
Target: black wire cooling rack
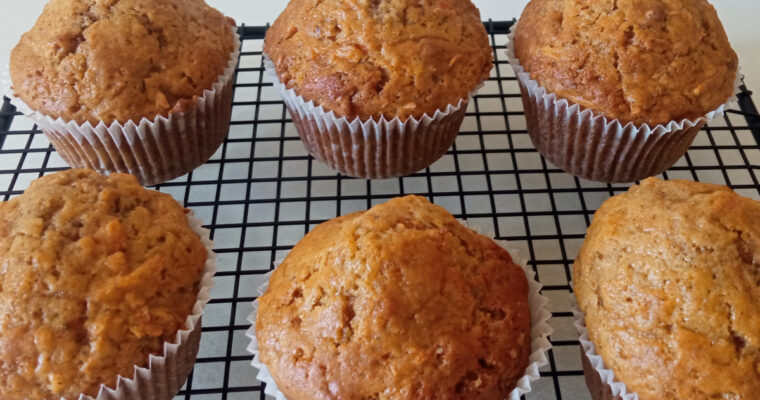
261	192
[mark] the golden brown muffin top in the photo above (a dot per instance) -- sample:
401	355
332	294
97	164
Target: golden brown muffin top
95	274
373	58
669	279
641	61
120	60
398	302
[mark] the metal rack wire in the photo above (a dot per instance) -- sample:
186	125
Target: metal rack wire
261	192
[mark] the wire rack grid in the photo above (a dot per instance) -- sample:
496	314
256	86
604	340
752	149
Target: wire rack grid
261	192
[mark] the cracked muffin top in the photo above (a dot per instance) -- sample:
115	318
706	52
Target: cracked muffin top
96	273
669	279
640	61
373	58
398	302
120	60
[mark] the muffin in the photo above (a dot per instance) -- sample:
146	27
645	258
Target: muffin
378	88
398	302
669	283
137	86
97	274
617	91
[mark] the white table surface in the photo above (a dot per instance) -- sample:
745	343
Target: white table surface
741	19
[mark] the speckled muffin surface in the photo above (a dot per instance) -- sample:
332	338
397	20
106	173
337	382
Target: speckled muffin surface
398	302
373	58
669	283
120	60
641	61
97	273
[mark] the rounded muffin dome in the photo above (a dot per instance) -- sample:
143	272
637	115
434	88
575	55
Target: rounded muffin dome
373	58
120	60
669	281
398	302
642	61
96	274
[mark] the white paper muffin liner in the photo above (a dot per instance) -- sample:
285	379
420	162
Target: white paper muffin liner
374	148
540	331
156	150
600	379
165	374
587	144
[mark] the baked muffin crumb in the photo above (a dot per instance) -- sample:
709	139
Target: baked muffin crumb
120	60
97	273
392	58
669	281
401	301
643	61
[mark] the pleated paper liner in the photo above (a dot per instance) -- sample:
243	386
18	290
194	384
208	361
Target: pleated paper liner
156	150
374	148
587	144
166	373
540	331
